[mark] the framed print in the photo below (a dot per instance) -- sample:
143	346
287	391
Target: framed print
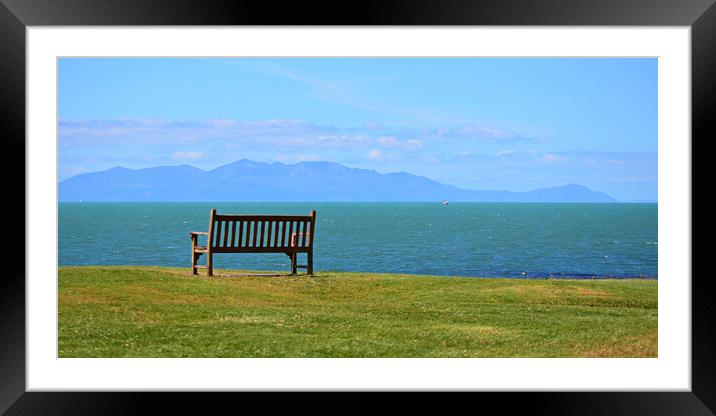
112	93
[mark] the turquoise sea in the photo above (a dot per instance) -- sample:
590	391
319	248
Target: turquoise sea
462	239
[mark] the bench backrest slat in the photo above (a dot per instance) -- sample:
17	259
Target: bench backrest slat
226	232
275	234
241	234
263	229
298	233
283	234
290	233
304	229
267	243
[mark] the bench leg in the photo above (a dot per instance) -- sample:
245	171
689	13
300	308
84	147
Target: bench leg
309	263
294	258
209	264
193	253
194	258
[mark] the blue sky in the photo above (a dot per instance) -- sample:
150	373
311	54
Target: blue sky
477	123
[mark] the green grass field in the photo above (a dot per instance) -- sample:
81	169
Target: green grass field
166	312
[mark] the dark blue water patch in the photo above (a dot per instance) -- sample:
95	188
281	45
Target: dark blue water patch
462	239
567	275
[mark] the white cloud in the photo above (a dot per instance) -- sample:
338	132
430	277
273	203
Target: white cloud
470	132
414	144
271	133
343	139
75	170
294	158
633	178
155	131
215	141
551	157
222	123
188	155
393	142
387	141
374	126
616	162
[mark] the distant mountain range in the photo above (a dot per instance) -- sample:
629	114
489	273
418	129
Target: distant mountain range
246	180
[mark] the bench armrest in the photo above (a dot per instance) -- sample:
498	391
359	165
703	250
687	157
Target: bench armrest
199	232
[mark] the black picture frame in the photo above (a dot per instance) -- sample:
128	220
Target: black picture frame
16	15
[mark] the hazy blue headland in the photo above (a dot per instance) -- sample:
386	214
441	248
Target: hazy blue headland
246	180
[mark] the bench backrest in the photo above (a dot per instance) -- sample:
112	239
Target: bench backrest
261	233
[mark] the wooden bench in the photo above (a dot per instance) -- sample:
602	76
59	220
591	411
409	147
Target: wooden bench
288	234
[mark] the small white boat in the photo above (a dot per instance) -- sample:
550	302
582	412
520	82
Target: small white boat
445	202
